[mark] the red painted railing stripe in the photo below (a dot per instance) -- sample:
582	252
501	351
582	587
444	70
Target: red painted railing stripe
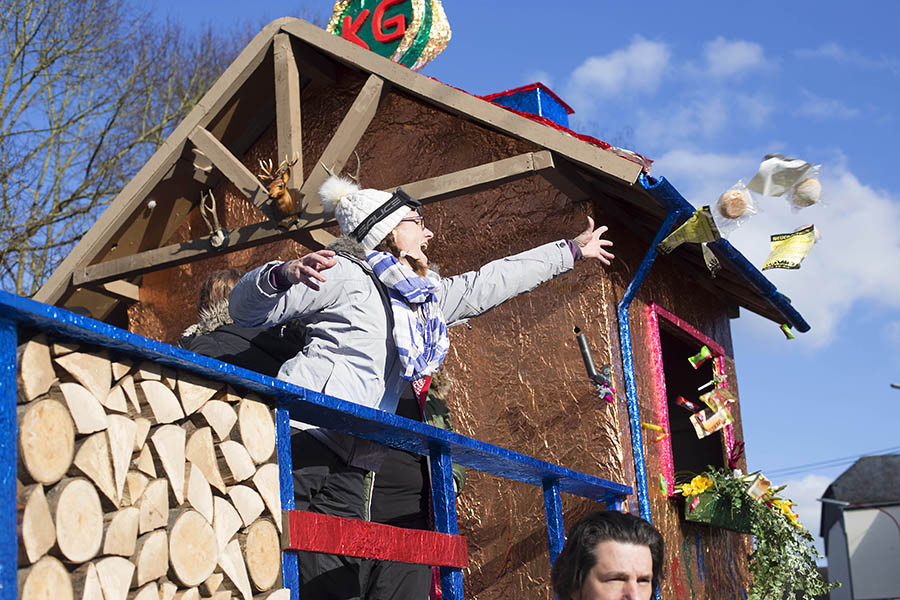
313	532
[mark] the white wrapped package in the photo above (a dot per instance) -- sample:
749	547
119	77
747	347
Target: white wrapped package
777	175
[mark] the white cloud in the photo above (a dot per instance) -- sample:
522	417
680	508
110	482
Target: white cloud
826	108
848	266
726	58
756	109
804	493
841	55
892	332
829	50
700	176
635	68
678	125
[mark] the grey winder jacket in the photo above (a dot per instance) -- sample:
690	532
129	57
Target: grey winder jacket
350	351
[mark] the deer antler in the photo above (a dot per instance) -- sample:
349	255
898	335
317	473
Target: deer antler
266	168
327	170
358	167
354	177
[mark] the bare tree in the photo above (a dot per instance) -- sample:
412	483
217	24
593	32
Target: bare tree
88	90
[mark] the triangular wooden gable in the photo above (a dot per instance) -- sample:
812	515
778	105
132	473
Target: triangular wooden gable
264	85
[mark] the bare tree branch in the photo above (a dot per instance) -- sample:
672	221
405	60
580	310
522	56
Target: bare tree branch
88	91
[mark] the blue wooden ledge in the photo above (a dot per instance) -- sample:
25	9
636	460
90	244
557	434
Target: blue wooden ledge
312	407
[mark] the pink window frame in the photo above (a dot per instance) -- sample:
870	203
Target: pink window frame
654	313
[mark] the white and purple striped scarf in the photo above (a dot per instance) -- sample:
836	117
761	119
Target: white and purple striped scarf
420	332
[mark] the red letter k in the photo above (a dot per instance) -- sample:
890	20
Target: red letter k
350	27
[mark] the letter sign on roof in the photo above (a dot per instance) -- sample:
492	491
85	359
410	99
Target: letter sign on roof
409	32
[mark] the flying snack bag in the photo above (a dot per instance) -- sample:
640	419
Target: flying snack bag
759	486
733	208
698	229
789	249
807	191
706	422
718	399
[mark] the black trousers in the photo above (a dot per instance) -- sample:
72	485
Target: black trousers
325	484
389	580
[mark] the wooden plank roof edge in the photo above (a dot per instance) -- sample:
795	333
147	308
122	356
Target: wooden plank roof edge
134	192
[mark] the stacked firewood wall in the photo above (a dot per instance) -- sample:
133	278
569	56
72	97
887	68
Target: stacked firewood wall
137	482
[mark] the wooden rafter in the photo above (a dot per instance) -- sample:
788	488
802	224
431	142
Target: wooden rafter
234	170
288	110
340	147
121	290
434	189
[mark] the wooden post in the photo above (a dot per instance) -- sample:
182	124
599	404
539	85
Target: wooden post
287	111
290	569
9	545
553	507
444	497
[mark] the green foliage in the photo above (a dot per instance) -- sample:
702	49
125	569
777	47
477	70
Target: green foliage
783	562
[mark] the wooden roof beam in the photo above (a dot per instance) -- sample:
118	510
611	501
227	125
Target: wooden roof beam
120	290
340	147
234	170
434	189
287	110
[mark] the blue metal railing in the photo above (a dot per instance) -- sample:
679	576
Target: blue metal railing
291	401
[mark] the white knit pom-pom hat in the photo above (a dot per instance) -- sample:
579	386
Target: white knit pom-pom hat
370	213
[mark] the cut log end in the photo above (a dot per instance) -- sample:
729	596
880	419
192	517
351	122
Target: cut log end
193	551
46	441
47	579
262	552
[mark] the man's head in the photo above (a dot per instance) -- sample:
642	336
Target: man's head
609	556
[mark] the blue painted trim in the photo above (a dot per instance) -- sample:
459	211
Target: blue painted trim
627	352
8	448
614	503
444	498
634	417
556	533
290	568
310	407
666	193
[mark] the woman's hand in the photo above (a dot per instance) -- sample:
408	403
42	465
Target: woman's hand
592	245
306	269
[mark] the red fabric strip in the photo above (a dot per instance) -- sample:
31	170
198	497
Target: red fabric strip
313	532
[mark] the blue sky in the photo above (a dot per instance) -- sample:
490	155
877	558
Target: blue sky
707	89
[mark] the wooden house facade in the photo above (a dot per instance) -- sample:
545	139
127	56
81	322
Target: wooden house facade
494	182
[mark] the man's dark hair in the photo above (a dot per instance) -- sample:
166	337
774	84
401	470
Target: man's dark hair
578	556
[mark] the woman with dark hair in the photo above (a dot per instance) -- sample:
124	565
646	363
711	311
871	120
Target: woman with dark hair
609	555
377	322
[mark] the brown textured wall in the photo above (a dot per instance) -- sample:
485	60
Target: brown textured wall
518	379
